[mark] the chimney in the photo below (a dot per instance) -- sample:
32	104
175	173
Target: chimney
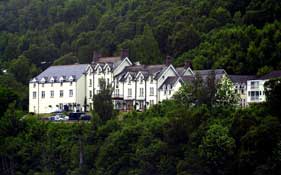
168	60
96	56
124	53
188	64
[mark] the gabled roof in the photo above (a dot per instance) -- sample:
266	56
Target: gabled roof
241	78
112	62
272	74
182	70
66	71
146	70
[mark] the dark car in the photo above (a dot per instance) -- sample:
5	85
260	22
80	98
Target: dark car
85	117
75	115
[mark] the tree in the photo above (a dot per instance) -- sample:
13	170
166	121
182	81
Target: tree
217	148
273	95
7	96
69	58
102	101
22	69
225	94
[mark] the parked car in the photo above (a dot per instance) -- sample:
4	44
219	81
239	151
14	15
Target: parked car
59	117
85	117
75	115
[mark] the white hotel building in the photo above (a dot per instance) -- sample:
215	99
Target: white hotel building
135	86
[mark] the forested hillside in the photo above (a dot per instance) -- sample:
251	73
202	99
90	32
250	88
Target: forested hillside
194	134
242	36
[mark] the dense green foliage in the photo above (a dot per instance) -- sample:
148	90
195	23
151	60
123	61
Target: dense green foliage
169	138
232	34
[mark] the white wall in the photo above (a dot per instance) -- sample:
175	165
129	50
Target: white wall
257	89
170	91
49	104
90	87
151	84
81	90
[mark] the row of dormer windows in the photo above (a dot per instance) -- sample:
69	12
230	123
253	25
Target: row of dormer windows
52	84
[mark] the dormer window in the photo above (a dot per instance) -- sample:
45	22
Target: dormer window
129	80
99	70
34	85
151	80
42	84
61	80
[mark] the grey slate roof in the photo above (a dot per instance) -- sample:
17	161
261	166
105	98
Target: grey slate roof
188	79
272	74
208	71
241	78
170	81
111	61
75	70
204	73
146	70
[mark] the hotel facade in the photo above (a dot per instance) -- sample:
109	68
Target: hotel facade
135	86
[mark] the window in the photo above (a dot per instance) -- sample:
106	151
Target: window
141	80
129	80
99	82
61	83
117	84
170	91
70	83
242	91
52	94
34	85
151	80
70	93
117	92
43	94
141	92
107	81
254	84
52	84
255	95
151	102
90	83
34	94
151	91
130	92
61	93
90	94
42	84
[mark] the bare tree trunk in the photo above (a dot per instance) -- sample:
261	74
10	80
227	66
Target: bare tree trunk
81	157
